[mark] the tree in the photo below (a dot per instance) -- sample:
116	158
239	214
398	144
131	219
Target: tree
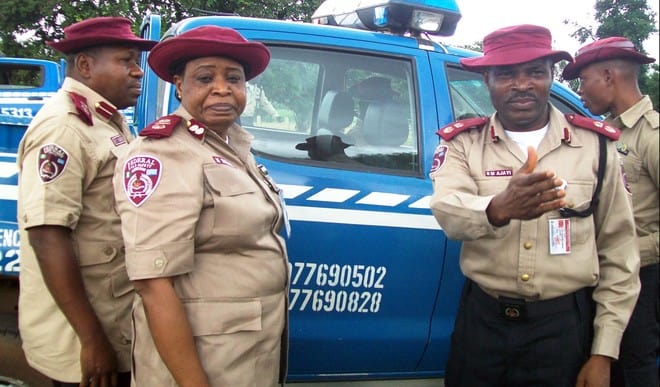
26	24
632	19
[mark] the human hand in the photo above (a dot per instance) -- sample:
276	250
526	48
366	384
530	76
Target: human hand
528	195
98	363
595	372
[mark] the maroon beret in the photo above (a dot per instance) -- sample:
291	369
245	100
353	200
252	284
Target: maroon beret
208	41
514	45
99	31
615	47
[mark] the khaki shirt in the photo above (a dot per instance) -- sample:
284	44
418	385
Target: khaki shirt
65	179
638	148
208	217
515	260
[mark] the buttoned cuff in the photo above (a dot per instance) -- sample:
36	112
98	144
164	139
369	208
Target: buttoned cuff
37	216
165	260
606	342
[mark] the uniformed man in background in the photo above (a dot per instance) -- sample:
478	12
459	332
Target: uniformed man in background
75	297
608	71
539	200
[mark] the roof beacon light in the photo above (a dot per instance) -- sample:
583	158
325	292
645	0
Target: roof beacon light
436	17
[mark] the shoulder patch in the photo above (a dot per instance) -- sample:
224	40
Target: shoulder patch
141	177
51	163
162	127
82	108
450	131
594	125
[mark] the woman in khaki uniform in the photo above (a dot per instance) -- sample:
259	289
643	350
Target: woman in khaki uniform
201	223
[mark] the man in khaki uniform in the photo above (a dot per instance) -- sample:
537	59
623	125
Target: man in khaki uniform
608	71
75	296
201	222
543	223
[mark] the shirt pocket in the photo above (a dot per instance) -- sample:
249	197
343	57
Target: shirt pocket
578	197
491	186
208	318
235	203
632	166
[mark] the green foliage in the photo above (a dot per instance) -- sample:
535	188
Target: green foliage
650	84
26	24
632	19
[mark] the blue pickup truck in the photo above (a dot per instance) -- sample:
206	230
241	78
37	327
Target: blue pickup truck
345	120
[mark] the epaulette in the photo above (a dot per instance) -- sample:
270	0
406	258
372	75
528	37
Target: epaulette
450	131
162	127
594	125
80	104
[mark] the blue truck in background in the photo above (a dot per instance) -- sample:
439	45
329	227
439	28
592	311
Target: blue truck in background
358	96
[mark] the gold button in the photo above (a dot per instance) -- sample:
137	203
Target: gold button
527	245
525	277
570	205
159	262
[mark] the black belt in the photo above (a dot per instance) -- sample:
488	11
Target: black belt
518	309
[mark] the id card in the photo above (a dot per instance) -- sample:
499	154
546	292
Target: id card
560	236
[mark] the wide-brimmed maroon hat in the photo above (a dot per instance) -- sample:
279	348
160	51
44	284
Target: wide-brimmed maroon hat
615	47
515	45
204	42
99	31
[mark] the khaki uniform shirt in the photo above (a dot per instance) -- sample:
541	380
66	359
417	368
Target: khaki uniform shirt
66	169
203	213
638	148
515	260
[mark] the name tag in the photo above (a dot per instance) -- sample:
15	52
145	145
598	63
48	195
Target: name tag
560	236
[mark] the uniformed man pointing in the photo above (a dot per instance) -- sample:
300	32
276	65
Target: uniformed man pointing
539	199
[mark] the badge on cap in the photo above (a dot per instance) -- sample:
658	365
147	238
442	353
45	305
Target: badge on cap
52	161
439	157
141	176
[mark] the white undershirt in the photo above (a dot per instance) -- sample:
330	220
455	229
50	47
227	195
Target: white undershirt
531	138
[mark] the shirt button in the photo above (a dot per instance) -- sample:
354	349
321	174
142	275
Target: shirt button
570	205
524	277
527	245
159	262
108	251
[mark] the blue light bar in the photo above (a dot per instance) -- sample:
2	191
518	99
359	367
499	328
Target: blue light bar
436	17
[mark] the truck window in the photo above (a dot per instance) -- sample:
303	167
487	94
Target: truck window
469	94
470	97
334	109
19	77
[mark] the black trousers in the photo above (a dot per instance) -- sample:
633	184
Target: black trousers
637	365
512	343
123	380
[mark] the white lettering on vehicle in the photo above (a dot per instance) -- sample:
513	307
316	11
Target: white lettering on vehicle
9	244
351	288
16	112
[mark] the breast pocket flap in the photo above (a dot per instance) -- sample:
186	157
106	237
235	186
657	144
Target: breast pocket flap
220	317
